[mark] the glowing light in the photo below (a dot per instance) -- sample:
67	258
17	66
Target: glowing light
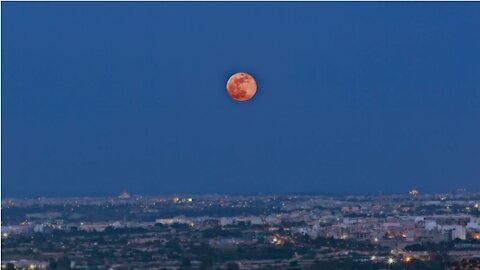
124	195
413	192
408	259
277	240
5	235
25	222
32	266
373	258
391	260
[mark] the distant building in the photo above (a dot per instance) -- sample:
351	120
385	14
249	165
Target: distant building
97	227
474	223
459	232
165	221
413	193
431	225
38	228
124	195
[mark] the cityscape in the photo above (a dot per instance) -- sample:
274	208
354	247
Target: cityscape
405	231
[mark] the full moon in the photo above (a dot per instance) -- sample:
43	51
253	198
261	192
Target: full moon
241	86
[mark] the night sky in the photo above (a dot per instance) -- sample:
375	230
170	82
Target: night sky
356	98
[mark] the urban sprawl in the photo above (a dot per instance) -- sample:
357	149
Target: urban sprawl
406	231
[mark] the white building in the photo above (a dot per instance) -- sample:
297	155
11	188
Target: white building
431	225
474	223
459	232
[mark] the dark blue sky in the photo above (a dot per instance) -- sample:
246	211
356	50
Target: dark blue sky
352	98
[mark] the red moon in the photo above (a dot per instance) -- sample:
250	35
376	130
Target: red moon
241	86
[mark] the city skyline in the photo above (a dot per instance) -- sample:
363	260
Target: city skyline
408	231
129	194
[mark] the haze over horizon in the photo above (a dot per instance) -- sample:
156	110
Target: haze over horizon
102	97
260	194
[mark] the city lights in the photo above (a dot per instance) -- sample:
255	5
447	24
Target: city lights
251	223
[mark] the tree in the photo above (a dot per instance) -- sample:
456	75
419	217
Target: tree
185	264
63	263
52	264
9	266
233	266
293	265
174	244
206	264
